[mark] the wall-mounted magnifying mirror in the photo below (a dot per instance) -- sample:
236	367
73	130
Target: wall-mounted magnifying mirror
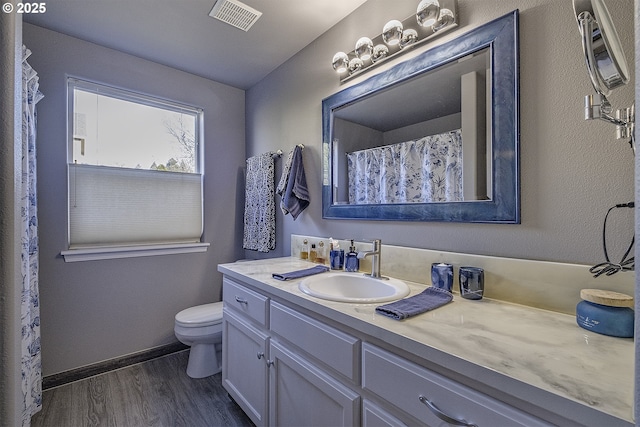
434	138
606	64
605	59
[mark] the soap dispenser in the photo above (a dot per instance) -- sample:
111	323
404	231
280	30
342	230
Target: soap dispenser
351	262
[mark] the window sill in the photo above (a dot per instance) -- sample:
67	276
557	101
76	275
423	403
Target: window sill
95	254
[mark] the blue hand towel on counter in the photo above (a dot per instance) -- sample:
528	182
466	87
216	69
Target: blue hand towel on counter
429	299
301	273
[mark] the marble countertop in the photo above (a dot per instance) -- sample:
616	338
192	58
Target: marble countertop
538	356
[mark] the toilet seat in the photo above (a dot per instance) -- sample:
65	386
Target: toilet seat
200	316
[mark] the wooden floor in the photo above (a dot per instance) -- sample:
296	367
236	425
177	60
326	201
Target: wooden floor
153	393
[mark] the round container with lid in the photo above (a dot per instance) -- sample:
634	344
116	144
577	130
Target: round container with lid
606	312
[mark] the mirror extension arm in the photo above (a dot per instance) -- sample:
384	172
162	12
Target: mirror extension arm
598	107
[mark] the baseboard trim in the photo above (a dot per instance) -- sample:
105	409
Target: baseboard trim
73	375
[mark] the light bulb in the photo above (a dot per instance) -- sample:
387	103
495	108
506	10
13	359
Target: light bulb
340	62
392	32
446	18
364	48
355	65
409	37
379	52
427	13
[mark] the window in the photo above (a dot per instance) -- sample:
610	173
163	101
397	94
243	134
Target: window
134	169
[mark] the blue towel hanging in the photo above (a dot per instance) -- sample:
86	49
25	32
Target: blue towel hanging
293	185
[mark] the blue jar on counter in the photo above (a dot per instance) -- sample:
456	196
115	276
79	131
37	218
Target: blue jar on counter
606	313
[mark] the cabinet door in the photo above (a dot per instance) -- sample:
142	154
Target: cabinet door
244	367
375	416
303	395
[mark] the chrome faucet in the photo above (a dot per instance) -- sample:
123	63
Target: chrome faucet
375	261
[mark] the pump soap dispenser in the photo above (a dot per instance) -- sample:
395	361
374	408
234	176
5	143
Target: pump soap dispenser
351	262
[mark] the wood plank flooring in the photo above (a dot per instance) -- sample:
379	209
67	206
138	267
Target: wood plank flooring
153	393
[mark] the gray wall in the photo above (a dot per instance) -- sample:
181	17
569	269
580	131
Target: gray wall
98	310
572	171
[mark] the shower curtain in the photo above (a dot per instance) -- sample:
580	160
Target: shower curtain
420	171
30	310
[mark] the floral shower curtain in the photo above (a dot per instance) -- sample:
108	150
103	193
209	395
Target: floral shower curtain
425	170
30	310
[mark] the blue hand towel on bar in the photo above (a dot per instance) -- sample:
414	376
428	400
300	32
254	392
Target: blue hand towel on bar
284	179
295	197
429	299
301	273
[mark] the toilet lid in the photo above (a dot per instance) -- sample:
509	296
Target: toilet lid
200	315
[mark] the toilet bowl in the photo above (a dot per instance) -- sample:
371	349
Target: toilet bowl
200	327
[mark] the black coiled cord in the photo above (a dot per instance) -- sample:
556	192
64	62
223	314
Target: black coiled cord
626	264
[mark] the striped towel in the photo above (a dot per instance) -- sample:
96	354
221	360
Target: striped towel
259	204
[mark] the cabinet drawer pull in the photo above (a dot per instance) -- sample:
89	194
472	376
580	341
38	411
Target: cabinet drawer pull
260	355
444	417
241	300
270	363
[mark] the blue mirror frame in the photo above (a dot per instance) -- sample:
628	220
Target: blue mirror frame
501	37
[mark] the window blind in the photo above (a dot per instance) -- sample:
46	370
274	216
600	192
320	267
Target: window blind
120	206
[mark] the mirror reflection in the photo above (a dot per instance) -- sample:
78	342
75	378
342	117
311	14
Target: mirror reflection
424	141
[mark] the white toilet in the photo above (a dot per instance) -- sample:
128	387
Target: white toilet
201	328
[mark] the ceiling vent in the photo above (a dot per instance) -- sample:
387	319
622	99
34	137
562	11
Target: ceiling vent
235	13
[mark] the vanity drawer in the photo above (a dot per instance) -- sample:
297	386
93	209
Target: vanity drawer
412	388
245	300
338	350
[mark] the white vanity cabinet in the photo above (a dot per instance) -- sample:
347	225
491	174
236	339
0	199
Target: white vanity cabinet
286	366
337	363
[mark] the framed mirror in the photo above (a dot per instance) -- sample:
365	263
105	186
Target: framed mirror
434	138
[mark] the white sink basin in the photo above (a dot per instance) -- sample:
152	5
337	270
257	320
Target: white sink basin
353	287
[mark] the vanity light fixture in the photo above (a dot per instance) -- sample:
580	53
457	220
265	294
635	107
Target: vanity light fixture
432	18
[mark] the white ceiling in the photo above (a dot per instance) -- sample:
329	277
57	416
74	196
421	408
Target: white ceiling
182	35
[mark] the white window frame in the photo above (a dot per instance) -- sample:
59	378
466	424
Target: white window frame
128	250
